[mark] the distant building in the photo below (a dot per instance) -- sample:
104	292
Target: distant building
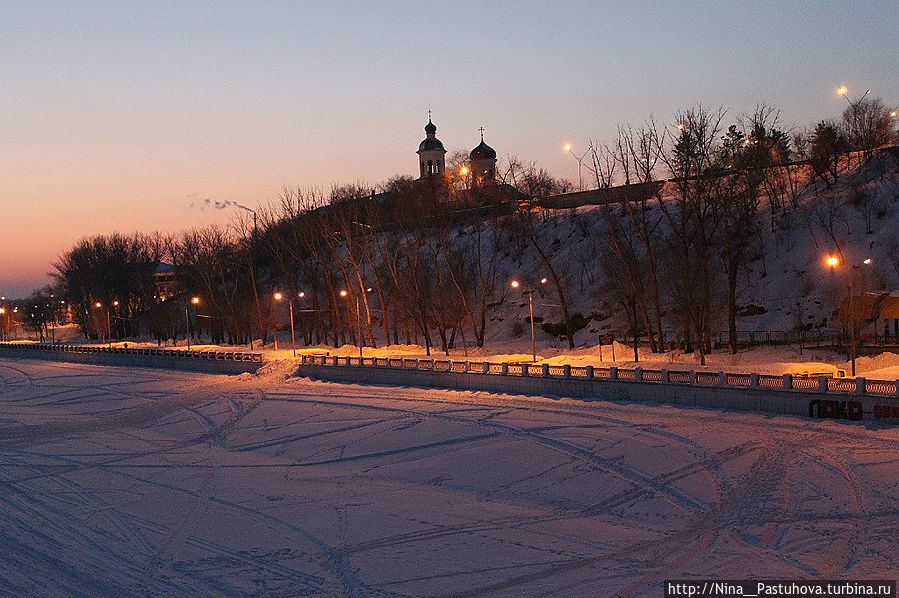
876	313
888	314
482	160
432	158
431	153
164	284
435	192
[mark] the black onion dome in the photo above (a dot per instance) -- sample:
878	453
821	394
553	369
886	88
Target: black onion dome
482	152
430	128
430	143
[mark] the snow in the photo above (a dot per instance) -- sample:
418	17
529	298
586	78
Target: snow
118	481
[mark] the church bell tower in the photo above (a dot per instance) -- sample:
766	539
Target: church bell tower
431	153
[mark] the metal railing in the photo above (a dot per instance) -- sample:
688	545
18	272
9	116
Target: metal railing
741	380
140	351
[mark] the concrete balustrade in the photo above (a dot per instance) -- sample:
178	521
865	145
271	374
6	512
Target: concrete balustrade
213	362
852	399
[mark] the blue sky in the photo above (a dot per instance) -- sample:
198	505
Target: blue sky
115	114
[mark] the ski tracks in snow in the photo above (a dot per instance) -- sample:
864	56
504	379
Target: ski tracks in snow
115	481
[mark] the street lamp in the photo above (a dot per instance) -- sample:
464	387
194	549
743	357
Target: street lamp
278	296
99	305
580	163
516	284
115	304
194	301
842	90
834	262
344	294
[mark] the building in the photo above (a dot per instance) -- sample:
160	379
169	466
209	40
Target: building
874	313
482	162
436	192
164	281
432	158
888	314
431	153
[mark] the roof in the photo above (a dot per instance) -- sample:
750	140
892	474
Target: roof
164	268
431	144
482	152
871	306
889	309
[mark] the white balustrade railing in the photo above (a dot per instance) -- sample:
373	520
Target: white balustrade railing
737	380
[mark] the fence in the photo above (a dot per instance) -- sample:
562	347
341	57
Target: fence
746	338
225	362
842	398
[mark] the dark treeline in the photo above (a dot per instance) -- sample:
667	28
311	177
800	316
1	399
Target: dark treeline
426	263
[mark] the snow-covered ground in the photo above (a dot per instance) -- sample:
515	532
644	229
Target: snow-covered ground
775	360
119	481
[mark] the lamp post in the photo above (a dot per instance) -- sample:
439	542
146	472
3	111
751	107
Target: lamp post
194	301
6	327
278	296
834	262
99	305
115	304
516	284
842	90
344	294
580	163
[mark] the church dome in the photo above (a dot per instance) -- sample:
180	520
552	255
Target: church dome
482	152
430	143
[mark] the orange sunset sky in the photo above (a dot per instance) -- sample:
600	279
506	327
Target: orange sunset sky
120	117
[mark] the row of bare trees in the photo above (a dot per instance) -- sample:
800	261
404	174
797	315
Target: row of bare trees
412	262
702	228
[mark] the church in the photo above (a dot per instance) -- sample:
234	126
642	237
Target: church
481	167
473	188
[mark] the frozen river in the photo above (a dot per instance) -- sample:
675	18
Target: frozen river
117	482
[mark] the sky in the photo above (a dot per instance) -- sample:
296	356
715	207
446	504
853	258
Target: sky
125	116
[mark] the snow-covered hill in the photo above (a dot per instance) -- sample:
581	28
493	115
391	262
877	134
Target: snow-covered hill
787	283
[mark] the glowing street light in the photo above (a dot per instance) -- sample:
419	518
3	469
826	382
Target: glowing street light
843	91
580	163
516	284
194	301
464	171
98	305
344	293
279	296
833	263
